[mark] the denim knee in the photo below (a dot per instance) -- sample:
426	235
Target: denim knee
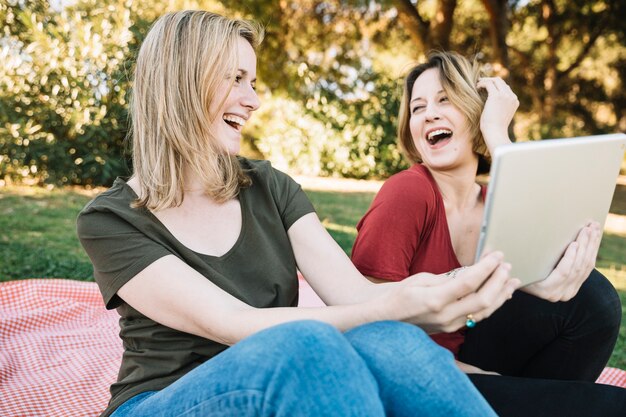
309	343
396	337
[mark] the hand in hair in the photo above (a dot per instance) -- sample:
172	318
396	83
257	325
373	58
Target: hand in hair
498	112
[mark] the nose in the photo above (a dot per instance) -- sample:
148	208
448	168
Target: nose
431	113
250	99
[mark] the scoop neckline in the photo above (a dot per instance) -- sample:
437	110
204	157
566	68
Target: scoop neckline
240	238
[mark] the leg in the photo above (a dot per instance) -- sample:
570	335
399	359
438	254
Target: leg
523	397
535	338
416	377
304	368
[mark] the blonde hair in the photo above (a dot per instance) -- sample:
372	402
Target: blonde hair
458	78
180	64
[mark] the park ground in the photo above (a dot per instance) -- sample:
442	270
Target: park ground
38	236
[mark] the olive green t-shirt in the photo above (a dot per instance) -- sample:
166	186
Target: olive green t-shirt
259	269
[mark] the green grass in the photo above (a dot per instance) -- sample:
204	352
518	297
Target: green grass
38	234
38	237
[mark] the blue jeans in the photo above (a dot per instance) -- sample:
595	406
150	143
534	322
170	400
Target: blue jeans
309	368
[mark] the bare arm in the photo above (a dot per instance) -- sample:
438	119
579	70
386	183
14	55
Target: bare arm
193	304
498	112
435	303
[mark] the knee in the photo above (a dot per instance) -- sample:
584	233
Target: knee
600	300
306	340
396	339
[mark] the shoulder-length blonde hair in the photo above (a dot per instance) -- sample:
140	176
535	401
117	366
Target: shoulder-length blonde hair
180	64
458	78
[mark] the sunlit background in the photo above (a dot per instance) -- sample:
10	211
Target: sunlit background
329	74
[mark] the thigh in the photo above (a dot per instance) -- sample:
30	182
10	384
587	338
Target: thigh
294	369
416	376
529	336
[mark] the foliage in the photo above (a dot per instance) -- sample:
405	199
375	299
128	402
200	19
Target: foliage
329	73
63	104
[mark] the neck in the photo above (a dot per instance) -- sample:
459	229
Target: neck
458	186
191	185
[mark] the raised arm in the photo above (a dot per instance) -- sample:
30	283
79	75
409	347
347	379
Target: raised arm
498	112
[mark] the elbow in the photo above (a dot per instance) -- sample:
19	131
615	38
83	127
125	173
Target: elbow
227	328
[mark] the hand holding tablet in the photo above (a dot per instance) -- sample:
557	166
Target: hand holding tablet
541	197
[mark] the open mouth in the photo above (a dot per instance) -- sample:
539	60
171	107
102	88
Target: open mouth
233	121
439	135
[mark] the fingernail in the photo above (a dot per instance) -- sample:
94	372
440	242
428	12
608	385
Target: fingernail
498	255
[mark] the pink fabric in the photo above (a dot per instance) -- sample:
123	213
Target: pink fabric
60	351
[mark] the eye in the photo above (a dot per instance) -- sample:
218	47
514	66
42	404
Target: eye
443	99
416	109
238	79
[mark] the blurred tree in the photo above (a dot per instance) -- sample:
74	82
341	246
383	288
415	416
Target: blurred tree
564	58
63	105
329	70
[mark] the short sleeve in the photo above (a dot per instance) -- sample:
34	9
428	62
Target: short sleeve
291	200
389	234
118	251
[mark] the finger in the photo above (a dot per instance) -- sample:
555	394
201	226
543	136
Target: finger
470	279
492	295
596	240
488	85
502	85
552	288
583	253
564	267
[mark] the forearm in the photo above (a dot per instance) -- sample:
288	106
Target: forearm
495	139
247	321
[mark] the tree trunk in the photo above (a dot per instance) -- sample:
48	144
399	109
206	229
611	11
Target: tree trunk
498	30
427	34
548	10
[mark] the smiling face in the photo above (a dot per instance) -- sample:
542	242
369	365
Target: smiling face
439	130
233	105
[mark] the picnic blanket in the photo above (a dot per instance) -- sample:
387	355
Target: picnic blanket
60	350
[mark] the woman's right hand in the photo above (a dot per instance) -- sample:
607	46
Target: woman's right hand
439	303
498	111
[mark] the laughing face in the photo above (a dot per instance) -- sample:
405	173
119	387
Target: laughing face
233	108
440	131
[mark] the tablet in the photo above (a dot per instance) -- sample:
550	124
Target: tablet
542	193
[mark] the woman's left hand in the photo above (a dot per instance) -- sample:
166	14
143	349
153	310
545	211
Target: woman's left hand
498	112
573	269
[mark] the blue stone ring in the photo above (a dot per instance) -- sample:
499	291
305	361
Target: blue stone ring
470	322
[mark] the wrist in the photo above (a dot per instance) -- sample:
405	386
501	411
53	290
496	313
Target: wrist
493	139
385	306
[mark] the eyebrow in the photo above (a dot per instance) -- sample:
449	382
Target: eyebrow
244	73
419	98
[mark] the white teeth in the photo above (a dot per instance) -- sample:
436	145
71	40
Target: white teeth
234	119
438	132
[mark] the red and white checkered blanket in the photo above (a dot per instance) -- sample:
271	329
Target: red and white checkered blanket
60	351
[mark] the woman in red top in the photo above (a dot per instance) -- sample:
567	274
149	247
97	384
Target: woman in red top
427	219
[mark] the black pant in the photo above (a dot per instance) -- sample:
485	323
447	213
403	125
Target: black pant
549	354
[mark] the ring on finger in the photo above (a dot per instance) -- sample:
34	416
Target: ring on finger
452	274
470	322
